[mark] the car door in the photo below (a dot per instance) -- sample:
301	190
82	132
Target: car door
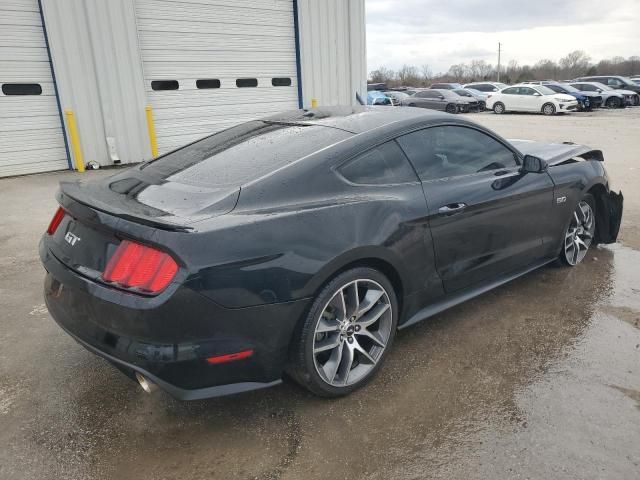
486	218
431	99
510	98
530	99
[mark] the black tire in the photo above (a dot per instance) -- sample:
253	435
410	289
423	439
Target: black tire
564	255
548	109
451	108
302	366
499	108
613	102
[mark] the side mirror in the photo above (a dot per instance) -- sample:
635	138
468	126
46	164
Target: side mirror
531	164
537	94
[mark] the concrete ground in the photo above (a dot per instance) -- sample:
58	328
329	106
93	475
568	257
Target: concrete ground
538	379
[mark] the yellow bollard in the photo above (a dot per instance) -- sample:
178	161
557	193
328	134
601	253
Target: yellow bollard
75	140
152	131
314	103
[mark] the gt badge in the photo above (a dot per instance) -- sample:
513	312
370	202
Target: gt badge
71	239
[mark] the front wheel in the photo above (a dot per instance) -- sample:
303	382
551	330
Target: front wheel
549	109
346	334
451	108
613	102
579	234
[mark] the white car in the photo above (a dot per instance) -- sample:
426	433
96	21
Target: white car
531	98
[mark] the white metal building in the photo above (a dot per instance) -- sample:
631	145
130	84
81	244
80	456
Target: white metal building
201	65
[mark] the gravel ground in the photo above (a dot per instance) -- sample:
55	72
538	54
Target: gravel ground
538	379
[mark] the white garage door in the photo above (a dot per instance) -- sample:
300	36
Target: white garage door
31	138
210	64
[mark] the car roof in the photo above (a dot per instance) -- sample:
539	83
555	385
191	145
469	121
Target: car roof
356	119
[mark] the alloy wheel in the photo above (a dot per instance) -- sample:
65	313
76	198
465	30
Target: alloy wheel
352	332
580	233
548	109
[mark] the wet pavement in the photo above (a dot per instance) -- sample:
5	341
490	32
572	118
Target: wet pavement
538	379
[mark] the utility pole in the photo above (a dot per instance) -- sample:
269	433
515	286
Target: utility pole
499	48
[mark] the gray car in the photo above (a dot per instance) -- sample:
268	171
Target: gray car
470	93
445	100
611	98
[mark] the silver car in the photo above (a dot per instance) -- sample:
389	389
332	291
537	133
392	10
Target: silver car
610	97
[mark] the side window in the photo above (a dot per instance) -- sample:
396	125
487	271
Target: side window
385	164
614	82
527	91
423	94
510	91
483	87
449	151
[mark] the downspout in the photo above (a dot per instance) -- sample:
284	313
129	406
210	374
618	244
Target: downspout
296	28
55	86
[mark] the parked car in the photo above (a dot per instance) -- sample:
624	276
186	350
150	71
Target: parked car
475	94
301	243
611	97
531	98
618	82
376	97
396	97
444	100
445	86
586	100
487	87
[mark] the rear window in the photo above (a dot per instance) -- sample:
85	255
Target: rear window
242	153
385	164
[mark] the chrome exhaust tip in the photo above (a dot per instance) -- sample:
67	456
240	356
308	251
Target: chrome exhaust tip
146	384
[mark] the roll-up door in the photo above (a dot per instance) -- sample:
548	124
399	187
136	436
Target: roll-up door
210	64
31	136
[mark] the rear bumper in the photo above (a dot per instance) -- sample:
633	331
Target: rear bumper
170	342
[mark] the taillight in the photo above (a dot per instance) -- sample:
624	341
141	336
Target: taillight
55	221
136	266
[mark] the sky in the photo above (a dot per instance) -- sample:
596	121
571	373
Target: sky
440	33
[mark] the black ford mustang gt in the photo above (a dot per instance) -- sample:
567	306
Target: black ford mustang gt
300	243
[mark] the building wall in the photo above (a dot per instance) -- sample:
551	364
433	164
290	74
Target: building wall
332	51
96	57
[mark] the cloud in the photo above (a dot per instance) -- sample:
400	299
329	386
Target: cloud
442	33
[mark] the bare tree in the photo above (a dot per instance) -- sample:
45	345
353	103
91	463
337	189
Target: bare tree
575	63
408	75
426	74
458	71
381	75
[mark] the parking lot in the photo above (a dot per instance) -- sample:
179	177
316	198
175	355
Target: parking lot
537	379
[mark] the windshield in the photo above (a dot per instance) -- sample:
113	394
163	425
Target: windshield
602	86
500	85
571	89
545	90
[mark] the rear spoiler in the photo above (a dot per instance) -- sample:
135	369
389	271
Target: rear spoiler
71	192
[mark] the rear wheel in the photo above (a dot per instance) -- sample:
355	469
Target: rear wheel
613	102
549	109
451	108
498	108
579	234
347	333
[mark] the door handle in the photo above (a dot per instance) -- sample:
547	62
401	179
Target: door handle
452	208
